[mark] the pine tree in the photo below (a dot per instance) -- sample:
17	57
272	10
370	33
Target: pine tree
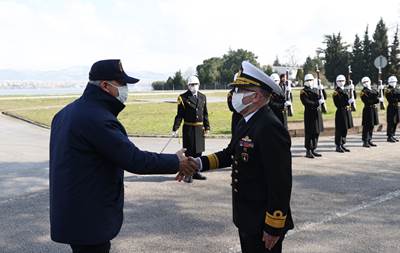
337	58
357	60
394	57
380	47
368	60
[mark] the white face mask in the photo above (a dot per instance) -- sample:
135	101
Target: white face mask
237	101
309	83
393	84
367	85
194	88
340	84
122	93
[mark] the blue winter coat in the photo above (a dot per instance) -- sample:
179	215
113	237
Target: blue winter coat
89	151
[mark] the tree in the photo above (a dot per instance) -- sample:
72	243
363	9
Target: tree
394	57
300	75
336	57
380	46
267	69
178	81
308	66
232	62
357	63
158	85
208	72
276	62
368	60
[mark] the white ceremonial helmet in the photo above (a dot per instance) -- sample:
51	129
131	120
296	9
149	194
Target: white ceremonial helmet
275	77
193	80
392	81
366	82
340	81
309	80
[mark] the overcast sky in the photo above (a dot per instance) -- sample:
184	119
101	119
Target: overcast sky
164	36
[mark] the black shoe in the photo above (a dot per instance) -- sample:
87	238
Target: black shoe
339	149
315	153
391	139
372	144
199	176
395	139
366	145
345	149
309	154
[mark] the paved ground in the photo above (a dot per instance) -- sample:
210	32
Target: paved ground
341	202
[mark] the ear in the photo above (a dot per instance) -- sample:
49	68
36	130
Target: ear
104	86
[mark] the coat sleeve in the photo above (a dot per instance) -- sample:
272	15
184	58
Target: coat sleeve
110	141
179	114
205	115
277	169
220	159
277	102
306	101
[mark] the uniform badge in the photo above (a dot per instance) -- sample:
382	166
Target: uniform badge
246	143
245	157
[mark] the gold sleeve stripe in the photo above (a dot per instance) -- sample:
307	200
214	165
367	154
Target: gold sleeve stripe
213	160
277	220
180	101
244	80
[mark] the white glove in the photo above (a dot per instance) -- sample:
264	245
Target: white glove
381	87
381	99
199	164
289	87
351	100
288	103
351	86
174	133
321	101
321	86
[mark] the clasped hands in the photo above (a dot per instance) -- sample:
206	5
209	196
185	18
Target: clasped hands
187	165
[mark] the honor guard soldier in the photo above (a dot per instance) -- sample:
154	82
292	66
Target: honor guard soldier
192	108
278	102
393	108
313	124
259	153
343	116
236	117
370	118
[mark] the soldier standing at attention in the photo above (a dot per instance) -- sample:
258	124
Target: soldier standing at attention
278	102
393	108
259	153
343	117
313	124
370	118
192	108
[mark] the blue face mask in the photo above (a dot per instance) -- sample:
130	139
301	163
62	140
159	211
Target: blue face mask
122	92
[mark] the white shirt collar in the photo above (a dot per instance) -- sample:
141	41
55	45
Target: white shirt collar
248	117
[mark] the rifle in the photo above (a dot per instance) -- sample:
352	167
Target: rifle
323	105
351	89
380	90
288	94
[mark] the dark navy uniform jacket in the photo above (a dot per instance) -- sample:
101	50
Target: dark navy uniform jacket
193	111
393	108
370	111
259	153
313	123
89	149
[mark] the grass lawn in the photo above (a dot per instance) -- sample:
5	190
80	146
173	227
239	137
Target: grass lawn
151	118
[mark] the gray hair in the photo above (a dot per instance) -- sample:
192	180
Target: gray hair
97	83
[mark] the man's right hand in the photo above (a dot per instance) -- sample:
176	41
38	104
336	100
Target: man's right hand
174	134
187	167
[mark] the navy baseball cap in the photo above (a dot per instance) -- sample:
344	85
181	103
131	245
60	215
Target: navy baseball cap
110	70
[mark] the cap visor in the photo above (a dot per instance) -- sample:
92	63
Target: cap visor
129	79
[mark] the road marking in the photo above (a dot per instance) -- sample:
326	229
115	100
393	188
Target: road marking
338	215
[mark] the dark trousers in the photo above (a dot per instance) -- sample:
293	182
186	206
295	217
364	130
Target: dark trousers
98	248
367	133
391	129
340	137
311	141
253	243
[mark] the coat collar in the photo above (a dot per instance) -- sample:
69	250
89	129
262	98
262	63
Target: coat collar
95	94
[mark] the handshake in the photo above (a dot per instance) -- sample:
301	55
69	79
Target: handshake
187	165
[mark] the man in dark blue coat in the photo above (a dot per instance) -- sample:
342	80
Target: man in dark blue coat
89	151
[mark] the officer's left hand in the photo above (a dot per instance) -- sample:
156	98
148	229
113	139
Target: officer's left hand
381	99
270	240
206	132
